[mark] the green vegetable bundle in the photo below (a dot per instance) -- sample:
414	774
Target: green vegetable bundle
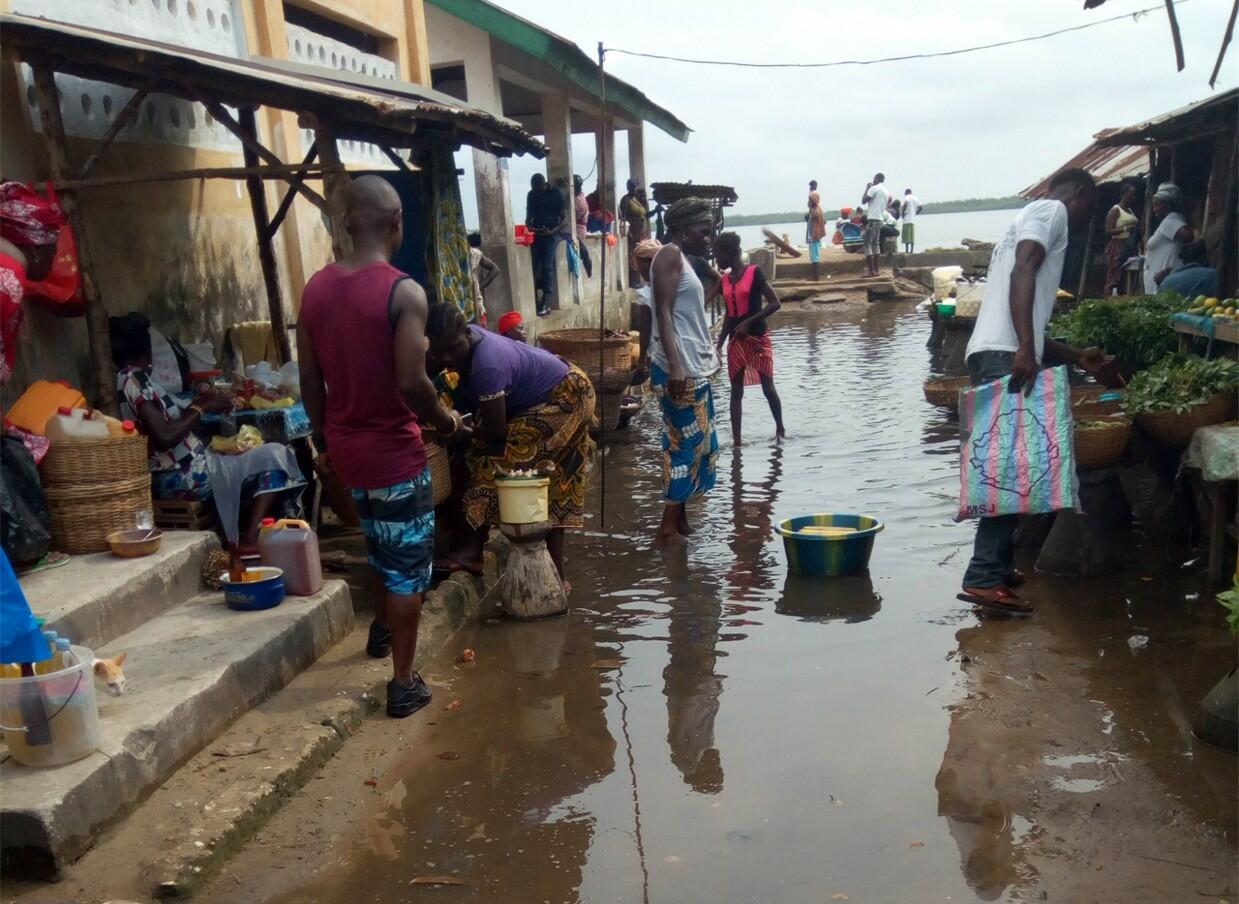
1137	331
1180	383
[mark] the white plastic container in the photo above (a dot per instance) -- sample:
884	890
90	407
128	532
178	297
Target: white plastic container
944	280
51	719
76	424
523	500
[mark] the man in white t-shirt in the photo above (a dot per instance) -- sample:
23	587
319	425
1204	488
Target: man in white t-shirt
875	201
911	207
1009	343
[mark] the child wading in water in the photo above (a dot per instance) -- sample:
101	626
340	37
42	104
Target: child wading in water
750	357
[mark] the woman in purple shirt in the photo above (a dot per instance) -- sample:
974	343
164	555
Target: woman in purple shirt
532	410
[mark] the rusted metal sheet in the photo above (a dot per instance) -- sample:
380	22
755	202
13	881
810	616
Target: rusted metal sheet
1105	164
1204	117
389	113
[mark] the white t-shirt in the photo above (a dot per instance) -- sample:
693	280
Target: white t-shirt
879	200
1161	252
645	296
1043	222
912	206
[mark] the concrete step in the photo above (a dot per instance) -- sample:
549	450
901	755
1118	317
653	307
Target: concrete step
191	671
97	598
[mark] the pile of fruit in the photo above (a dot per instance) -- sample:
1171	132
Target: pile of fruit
1218	309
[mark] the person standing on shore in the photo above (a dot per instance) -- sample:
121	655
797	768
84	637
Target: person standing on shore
545	207
1009	343
875	201
816	228
581	209
750	301
361	345
682	359
911	207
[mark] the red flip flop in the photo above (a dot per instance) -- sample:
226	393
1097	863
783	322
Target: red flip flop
996	599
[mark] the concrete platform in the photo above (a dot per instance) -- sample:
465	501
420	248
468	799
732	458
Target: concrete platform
191	671
99	597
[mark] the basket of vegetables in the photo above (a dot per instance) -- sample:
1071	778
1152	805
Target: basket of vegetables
1095	401
1101	441
1175	398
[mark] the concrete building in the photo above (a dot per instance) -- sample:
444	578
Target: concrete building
511	67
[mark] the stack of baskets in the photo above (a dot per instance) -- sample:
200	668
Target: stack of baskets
1101	441
95	487
581	347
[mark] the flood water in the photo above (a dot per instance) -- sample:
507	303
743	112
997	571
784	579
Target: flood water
705	727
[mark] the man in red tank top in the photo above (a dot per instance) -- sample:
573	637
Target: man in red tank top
362	350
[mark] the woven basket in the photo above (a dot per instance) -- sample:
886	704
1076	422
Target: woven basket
1172	429
1101	447
580	346
95	461
944	391
83	516
440	472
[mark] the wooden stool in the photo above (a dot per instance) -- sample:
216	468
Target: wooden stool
184	514
532	588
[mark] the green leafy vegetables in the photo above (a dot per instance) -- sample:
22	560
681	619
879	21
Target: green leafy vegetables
1137	330
1179	383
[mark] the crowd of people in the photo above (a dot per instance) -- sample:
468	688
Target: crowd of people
878	216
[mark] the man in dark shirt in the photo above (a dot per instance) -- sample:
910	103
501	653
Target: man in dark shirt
545	207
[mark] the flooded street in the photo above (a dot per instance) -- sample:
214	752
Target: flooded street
705	727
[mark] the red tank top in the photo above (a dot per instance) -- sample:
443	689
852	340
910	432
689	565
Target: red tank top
372	435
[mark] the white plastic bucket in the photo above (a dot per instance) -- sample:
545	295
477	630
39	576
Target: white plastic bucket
944	280
51	719
523	500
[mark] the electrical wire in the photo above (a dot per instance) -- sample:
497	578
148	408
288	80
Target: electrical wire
1135	16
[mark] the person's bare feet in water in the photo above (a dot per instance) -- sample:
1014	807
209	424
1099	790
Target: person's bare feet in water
669	533
682	524
780	433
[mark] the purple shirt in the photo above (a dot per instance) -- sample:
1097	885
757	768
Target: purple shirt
525	375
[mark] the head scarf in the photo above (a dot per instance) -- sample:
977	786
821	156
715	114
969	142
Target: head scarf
27	218
1169	193
508	321
647	248
688	212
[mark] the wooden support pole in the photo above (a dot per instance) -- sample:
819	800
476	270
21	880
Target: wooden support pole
104	370
395	158
266	255
123	118
291	194
335	183
284	172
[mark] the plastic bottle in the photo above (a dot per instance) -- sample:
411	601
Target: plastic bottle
65	657
75	424
48	664
292	547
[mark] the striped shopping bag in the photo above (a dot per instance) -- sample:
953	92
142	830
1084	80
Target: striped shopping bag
1016	451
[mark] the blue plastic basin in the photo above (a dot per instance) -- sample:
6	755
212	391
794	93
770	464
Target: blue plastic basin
818	556
252	596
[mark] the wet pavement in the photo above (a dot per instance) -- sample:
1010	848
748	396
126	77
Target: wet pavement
705	727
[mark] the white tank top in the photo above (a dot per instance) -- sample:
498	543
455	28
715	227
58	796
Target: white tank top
691	328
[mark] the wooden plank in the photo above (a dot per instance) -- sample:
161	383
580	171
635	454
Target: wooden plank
335	182
266	255
104	370
123	118
291	194
395	158
283	172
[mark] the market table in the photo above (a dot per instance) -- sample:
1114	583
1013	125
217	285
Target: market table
1196	326
277	425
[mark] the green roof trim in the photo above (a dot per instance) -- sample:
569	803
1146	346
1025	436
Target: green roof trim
566	57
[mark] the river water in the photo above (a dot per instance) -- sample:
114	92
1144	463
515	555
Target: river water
933	230
705	727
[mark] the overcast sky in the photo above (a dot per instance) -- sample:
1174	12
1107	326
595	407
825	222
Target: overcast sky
980	124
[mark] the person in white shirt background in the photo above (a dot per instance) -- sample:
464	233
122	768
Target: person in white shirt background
1170	233
1009	343
911	207
875	201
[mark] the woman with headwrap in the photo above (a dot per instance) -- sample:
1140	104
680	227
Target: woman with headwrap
1170	234
682	361
29	229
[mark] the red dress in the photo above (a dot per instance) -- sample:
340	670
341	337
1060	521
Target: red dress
750	354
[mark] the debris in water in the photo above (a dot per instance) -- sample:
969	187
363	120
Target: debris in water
672	859
1191	597
838	896
371	783
466	655
917	844
453	706
440	880
448	755
603	664
1138	641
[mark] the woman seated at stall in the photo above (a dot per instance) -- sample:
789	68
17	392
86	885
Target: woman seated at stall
179	458
532	410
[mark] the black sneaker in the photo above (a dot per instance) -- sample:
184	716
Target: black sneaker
378	644
405	699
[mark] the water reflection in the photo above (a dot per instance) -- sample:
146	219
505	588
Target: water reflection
850	599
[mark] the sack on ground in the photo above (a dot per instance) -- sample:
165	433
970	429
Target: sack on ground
1017	455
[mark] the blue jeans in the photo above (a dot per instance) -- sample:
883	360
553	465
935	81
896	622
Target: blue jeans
543	250
993	552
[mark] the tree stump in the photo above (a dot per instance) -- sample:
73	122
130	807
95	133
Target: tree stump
531	585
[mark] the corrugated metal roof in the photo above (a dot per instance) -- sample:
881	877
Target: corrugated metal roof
573	63
1210	114
397	114
1105	164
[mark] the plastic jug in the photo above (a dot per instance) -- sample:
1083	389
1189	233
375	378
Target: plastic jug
944	280
292	546
39	403
76	424
120	428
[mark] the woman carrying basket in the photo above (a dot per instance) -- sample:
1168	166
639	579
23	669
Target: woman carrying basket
533	411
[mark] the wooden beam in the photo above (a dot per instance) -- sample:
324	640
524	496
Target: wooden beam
283	172
58	164
1174	33
123	118
335	183
1226	39
220	112
395	158
266	255
291	194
